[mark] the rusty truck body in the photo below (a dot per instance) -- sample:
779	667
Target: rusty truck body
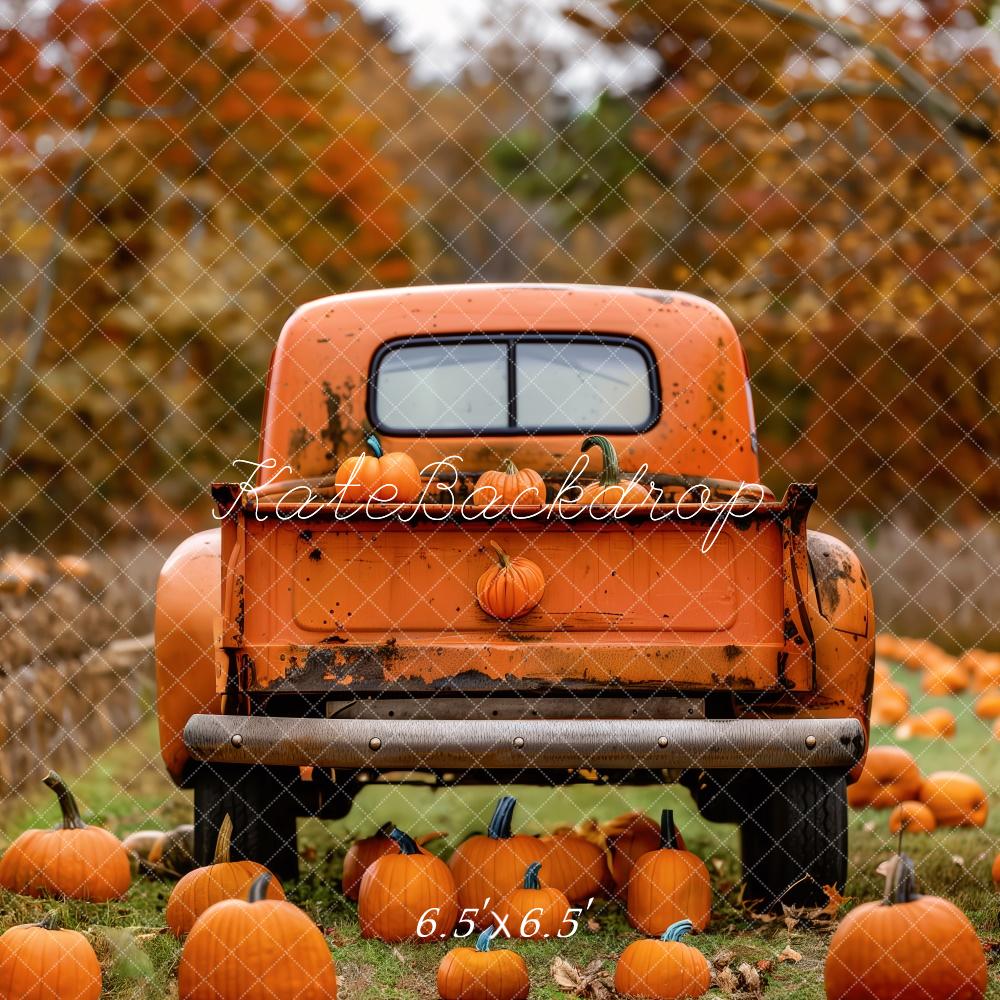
306	648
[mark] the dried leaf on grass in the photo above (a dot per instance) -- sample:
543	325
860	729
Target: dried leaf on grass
744	981
789	954
591	982
818	917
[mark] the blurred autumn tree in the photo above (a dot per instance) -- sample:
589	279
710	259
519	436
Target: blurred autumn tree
834	186
174	180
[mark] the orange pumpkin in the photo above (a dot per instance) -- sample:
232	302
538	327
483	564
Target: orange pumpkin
988	704
629	837
223	879
668	885
984	668
256	948
391	477
488	867
73	860
955	799
398	890
912	817
890	704
611	487
934	724
511	588
944	676
890	776
905	946
995	870
509	486
575	865
663	968
532	912
41	962
481	974
362	854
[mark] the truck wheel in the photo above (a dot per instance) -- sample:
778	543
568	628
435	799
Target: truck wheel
263	814
795	838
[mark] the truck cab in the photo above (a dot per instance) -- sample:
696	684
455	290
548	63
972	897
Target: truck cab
309	646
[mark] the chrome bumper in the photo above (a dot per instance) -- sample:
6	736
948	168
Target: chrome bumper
601	744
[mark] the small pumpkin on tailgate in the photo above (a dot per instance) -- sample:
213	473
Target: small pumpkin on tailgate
398	890
488	867
663	968
42	962
223	879
483	974
511	588
509	485
955	799
73	860
905	946
612	487
668	885
890	776
258	947
533	912
391	477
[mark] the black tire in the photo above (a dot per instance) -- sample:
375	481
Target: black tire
795	838
263	812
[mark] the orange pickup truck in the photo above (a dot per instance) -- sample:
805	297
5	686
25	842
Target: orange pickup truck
311	646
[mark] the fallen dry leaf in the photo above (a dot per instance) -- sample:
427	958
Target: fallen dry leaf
789	955
593	925
591	982
722	958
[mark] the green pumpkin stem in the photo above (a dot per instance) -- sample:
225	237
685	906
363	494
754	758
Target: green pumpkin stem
407	845
259	887
224	841
499	828
502	556
668	832
508	468
71	819
483	941
376	446
610	471
50	922
531	876
677	930
900	881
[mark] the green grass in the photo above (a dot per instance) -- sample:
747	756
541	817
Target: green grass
126	789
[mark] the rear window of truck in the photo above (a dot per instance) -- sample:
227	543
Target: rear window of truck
513	384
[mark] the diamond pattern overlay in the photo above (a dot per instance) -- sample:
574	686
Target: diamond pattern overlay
655	742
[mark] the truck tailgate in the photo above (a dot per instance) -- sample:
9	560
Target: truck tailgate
325	602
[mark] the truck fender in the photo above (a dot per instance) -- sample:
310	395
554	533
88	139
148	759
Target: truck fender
187	603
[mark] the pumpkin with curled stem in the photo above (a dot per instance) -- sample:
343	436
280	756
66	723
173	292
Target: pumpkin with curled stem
611	487
258	947
390	477
511	587
955	799
905	946
483	974
362	854
509	485
668	885
488	867
663	968
628	837
398	889
533	912
73	860
43	962
223	879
